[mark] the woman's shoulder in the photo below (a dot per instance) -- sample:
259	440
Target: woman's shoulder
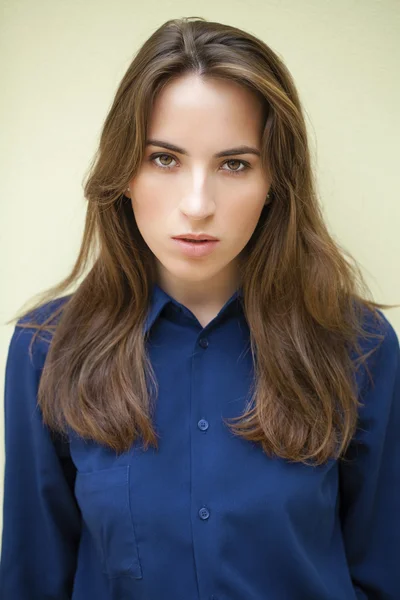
379	376
384	339
28	345
43	312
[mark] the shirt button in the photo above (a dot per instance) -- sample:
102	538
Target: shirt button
204	514
202	424
203	343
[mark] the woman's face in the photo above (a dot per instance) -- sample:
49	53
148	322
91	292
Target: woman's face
192	190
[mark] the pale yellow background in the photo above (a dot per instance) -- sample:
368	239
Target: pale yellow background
60	66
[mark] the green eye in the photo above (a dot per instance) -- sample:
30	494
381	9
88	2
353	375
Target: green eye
168	156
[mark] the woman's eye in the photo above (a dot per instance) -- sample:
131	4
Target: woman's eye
244	165
163	156
166	165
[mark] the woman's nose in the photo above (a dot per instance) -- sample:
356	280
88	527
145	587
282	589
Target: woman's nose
198	204
199	196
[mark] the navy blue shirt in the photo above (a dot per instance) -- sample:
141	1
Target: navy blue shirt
207	516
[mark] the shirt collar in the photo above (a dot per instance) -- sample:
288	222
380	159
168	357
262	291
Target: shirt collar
160	299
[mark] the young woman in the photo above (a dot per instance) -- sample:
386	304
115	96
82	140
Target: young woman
214	420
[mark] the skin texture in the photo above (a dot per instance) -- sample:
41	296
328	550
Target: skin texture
198	193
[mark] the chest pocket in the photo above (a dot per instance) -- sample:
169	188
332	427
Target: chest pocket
103	497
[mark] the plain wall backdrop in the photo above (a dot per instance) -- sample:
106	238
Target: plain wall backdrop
61	63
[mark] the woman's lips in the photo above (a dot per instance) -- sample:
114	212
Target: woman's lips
196	249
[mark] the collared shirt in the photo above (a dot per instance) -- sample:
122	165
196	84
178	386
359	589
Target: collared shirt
207	516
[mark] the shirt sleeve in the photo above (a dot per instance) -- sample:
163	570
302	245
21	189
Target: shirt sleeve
41	518
370	482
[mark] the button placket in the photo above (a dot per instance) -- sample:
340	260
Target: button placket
200	409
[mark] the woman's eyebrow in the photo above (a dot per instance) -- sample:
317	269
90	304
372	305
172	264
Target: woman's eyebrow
228	152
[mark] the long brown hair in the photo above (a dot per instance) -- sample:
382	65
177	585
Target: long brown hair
305	303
